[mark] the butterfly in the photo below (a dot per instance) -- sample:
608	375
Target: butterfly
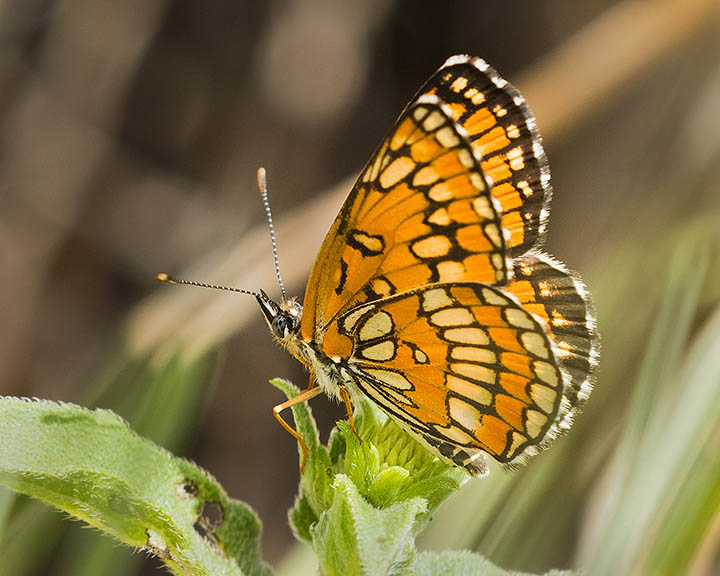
430	295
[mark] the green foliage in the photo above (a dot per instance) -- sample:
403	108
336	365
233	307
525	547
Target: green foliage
161	395
464	564
363	502
92	466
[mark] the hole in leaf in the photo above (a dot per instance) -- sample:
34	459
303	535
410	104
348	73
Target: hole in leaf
211	516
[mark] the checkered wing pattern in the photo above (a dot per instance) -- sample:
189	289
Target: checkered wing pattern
430	291
502	129
461	365
420	213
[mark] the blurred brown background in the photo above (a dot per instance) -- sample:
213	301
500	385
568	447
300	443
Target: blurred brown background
130	133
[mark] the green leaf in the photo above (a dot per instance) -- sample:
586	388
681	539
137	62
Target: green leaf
463	563
316	478
163	397
354	537
316	492
92	466
302	517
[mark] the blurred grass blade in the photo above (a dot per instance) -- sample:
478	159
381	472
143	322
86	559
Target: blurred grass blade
464	563
675	408
92	466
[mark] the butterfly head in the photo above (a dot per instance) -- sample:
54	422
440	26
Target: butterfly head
283	319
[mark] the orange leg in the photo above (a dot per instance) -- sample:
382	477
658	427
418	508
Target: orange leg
313	381
349	409
304	396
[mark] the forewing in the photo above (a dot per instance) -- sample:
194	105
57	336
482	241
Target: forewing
503	130
462	365
420	213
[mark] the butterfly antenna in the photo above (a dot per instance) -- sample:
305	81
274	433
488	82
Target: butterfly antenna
262	185
162	277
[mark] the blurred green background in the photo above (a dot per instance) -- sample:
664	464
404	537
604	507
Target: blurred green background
130	133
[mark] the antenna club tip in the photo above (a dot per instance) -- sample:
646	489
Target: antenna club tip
162	277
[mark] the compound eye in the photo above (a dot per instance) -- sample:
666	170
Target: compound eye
280	325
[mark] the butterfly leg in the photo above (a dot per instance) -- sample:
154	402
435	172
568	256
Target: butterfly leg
349	409
312	383
304	396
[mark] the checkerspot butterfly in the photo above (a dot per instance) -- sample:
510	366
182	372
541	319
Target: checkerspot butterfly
431	296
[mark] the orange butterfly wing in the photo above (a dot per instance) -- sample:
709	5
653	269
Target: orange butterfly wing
560	302
502	129
414	292
462	365
420	213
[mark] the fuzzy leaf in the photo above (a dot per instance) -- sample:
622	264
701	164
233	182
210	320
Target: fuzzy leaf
316	491
92	466
463	563
354	537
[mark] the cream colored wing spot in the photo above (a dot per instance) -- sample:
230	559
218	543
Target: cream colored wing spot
381	287
419	113
535	343
432	247
473	354
348	323
464	414
440	192
454	434
396	171
483	208
372	171
474	371
478	98
558	319
477	181
493	234
447	138
468	389
452	317
546	372
535	422
493	298
497	262
425	176
435	298
474	336
467	160
440	217
381	352
499	111
517	441
518	318
525	188
459	84
450	271
515	158
544	397
378	325
420	356
433	121
389	378
512	131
